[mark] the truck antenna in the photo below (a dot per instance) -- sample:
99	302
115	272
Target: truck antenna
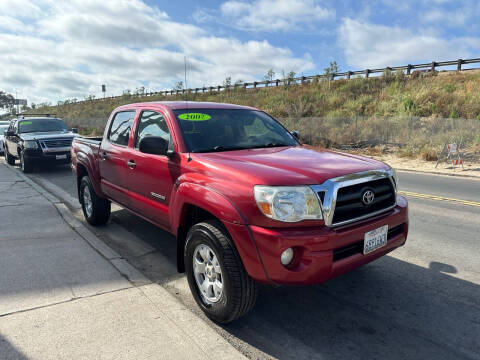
185	86
186	95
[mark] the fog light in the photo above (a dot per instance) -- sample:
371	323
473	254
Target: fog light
287	257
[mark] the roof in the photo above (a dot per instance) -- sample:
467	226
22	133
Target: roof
37	118
178	105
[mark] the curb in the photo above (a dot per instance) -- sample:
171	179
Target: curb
438	173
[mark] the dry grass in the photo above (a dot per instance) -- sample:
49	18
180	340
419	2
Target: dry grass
425	95
429	154
421	112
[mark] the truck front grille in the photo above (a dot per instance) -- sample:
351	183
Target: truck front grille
344	199
350	205
56	143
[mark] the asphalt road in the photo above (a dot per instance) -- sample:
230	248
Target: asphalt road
420	301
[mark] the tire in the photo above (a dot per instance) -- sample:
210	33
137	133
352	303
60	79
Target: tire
239	290
25	165
95	209
9	158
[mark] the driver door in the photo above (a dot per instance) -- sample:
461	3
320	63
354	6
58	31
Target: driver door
150	180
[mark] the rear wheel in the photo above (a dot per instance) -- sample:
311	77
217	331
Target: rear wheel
25	164
217	278
95	209
9	158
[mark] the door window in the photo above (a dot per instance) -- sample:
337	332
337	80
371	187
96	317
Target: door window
152	123
121	127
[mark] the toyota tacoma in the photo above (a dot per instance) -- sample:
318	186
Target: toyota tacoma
246	201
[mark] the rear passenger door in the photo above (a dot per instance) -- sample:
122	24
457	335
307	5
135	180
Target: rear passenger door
114	155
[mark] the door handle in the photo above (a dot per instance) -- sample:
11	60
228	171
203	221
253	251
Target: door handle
131	164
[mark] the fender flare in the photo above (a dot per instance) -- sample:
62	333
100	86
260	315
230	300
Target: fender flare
224	210
85	161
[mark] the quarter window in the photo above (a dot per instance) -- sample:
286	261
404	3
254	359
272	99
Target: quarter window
152	123
121	128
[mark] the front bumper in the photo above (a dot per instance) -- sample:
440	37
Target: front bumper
37	155
323	253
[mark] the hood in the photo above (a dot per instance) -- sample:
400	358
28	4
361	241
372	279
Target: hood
48	135
299	165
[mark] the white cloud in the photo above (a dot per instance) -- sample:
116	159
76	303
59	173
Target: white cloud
12	24
366	45
21	8
275	15
75	46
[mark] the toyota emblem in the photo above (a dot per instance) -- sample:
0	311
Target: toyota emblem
367	197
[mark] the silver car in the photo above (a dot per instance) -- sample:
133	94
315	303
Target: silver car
3	127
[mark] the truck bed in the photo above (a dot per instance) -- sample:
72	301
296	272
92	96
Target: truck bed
89	140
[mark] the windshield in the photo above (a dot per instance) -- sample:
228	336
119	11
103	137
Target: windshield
41	125
209	130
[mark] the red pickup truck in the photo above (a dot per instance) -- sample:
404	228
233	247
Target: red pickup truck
246	201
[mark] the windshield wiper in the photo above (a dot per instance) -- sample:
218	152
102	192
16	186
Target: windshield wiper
219	148
269	145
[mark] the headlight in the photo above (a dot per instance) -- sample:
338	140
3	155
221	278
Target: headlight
395	178
288	203
30	144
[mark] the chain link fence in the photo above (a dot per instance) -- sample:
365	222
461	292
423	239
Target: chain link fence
372	131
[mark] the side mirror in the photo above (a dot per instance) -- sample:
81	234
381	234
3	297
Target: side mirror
75	130
154	145
295	134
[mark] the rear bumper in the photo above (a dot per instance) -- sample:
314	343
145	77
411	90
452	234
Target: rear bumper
323	253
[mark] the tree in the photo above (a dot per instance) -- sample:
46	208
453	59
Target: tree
179	85
269	75
6	100
289	78
228	82
331	70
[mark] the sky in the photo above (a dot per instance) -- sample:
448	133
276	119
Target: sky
55	50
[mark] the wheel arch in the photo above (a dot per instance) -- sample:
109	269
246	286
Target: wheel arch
194	203
83	169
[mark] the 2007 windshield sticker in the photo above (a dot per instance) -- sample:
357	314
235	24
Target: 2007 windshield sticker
194	117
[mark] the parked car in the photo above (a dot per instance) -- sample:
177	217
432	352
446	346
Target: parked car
246	201
3	127
36	140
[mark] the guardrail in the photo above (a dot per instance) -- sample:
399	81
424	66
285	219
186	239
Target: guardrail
304	79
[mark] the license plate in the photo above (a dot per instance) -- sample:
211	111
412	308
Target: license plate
60	157
375	239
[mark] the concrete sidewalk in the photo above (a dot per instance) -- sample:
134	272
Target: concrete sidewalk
65	295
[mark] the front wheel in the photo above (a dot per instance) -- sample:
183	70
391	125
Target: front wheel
95	209
217	278
25	164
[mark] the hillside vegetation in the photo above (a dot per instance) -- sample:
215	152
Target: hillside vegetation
415	111
445	95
